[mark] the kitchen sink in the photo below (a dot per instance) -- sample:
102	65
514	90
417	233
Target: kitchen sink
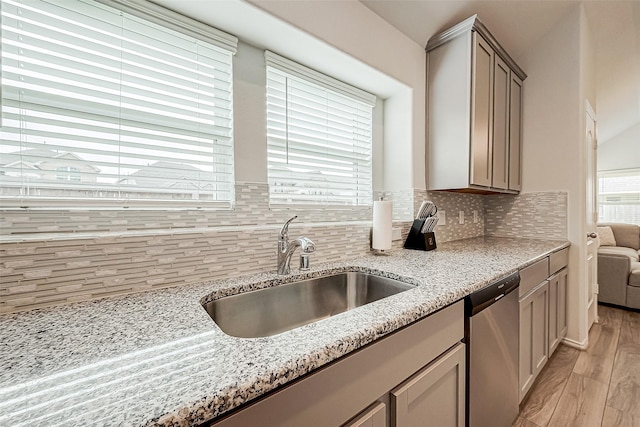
280	308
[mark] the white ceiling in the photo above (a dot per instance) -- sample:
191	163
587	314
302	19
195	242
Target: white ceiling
518	24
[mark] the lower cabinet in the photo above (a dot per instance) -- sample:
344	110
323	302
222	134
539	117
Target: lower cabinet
557	308
412	377
434	396
543	314
374	416
534	344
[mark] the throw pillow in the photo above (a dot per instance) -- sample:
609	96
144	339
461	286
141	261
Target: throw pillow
606	236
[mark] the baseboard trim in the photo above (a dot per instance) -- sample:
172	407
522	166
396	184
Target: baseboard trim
580	345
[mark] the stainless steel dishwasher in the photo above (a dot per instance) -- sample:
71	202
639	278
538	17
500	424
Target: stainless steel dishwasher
491	334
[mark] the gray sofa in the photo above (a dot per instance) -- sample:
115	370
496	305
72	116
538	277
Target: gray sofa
619	267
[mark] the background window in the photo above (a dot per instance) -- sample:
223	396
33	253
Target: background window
319	137
68	173
102	104
619	196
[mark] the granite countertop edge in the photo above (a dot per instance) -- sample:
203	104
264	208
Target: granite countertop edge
233	371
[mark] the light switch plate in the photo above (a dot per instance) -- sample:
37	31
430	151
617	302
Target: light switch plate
461	217
442	218
476	217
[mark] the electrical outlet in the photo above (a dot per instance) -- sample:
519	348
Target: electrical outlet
461	217
396	234
442	218
476	217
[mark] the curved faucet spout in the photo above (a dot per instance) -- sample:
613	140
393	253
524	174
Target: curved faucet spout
284	231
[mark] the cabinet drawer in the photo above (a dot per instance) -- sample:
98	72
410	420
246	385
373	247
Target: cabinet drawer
533	275
558	260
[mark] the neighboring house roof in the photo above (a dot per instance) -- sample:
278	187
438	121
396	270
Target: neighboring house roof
169	175
21	164
34	157
161	174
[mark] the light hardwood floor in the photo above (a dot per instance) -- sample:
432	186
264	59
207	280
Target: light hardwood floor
599	387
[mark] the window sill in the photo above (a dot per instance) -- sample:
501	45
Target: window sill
7	203
313	207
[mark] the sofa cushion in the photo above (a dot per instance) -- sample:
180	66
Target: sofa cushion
619	250
627	235
634	277
606	236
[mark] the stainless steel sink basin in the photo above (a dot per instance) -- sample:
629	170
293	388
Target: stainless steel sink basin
280	308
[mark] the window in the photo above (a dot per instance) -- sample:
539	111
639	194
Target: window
127	106
68	173
619	196
319	137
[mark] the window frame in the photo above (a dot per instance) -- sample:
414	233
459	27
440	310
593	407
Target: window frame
296	71
634	199
189	27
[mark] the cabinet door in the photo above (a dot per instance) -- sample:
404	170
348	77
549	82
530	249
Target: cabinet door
515	133
563	277
557	309
501	84
554	332
374	416
482	113
534	343
434	396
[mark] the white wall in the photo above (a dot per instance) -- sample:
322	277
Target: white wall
558	83
249	101
620	152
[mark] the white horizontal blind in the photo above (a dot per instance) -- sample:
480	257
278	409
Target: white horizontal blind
319	137
98	104
619	196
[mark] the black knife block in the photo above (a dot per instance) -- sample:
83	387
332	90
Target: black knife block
417	240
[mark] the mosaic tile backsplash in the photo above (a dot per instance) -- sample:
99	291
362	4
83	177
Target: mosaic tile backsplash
452	204
528	215
53	257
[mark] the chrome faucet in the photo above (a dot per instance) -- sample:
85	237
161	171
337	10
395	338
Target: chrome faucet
286	249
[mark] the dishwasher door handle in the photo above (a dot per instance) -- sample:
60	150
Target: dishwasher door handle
498	297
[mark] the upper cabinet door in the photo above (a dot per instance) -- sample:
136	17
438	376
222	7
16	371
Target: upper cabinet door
474	112
482	112
515	134
501	83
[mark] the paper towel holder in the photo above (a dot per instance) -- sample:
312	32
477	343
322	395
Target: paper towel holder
382	210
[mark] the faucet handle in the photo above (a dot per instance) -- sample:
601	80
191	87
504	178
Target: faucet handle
304	261
306	245
284	231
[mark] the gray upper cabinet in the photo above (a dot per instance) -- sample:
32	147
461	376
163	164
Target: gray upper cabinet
501	101
474	107
515	133
482	135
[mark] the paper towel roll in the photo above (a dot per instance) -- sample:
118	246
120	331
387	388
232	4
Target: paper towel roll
381	225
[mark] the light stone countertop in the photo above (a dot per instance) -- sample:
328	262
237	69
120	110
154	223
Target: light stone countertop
157	358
